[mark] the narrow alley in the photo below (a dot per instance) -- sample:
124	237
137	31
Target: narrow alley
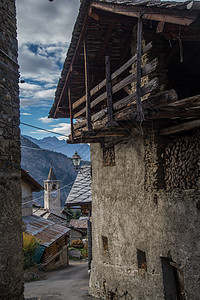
68	283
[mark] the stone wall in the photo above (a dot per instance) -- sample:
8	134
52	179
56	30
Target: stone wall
11	267
141	231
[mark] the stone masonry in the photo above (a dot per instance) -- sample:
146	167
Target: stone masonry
11	259
145	225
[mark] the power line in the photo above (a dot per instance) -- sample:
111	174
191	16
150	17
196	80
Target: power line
43	148
43	129
50	193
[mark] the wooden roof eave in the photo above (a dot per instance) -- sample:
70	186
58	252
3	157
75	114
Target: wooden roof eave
180	18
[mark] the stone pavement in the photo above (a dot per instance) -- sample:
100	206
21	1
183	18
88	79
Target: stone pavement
68	283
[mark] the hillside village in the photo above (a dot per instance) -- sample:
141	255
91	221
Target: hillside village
130	87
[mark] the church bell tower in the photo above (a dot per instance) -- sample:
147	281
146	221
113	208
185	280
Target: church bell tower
52	193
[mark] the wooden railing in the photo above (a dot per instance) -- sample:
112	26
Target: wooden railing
121	103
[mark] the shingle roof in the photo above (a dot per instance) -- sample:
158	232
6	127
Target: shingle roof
46	231
146	3
81	189
44	213
79	223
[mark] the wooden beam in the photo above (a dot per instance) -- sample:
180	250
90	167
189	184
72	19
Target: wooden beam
87	88
140	114
111	122
153	84
180	127
70	113
148	13
113	76
150	67
157	114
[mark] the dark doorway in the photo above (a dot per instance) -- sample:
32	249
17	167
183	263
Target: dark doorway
172	280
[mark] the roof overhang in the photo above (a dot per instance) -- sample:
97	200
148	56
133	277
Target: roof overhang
105	23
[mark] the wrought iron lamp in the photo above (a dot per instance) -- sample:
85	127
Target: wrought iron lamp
76	160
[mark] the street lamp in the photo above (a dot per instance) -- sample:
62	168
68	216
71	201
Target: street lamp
76	160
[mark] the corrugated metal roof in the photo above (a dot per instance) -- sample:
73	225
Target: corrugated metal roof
54	217
81	189
79	223
46	231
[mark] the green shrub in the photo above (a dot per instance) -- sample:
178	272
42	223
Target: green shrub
30	244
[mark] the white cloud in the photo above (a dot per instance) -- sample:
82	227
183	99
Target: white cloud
63	128
46	120
42	21
25	114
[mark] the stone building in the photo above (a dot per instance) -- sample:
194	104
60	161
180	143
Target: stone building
28	185
11	262
137	103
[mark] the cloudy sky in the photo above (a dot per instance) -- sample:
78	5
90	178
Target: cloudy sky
44	33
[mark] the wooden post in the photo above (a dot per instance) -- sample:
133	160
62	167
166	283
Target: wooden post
111	122
140	114
71	115
87	87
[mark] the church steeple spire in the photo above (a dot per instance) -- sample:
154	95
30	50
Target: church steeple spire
51	175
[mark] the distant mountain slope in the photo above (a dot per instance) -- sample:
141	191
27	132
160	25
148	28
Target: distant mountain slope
61	146
38	162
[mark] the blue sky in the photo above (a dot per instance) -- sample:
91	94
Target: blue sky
44	33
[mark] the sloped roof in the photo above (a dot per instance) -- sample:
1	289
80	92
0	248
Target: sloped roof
96	31
80	193
30	181
47	232
79	223
44	213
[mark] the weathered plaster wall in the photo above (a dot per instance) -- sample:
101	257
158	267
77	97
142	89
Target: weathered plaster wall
132	210
11	268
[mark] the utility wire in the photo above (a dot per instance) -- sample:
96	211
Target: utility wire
43	129
50	194
43	148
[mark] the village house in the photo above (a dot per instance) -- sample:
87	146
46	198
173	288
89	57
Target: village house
11	258
131	80
48	229
80	197
53	240
28	185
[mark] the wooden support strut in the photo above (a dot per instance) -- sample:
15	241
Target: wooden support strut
87	87
111	122
71	115
140	114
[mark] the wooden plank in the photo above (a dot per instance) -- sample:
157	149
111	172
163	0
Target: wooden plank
193	101
140	114
175	113
180	127
70	113
153	14
153	84
113	76
111	122
87	88
147	88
